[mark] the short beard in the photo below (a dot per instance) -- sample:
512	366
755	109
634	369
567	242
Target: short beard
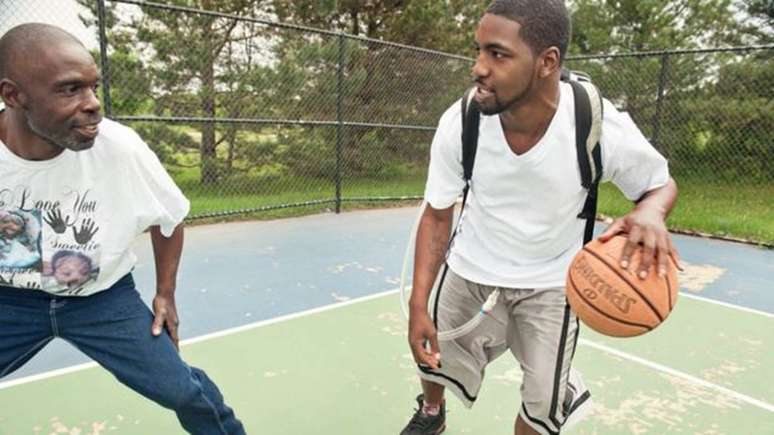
66	143
495	109
500	107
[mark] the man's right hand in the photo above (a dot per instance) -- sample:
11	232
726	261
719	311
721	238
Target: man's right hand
422	331
430	253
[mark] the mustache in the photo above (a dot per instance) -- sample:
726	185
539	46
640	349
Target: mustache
480	82
94	119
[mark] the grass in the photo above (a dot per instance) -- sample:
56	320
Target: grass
741	211
744	211
235	195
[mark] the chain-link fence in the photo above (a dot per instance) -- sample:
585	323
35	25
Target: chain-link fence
711	112
252	115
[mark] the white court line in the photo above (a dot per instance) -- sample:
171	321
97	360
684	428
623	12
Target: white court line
46	375
668	370
727	305
205	337
259	324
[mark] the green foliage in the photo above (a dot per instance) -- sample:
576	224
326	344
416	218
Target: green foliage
710	114
130	83
759	21
740	110
440	25
605	26
171	144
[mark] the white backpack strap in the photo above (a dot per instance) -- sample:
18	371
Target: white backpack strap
588	130
595	133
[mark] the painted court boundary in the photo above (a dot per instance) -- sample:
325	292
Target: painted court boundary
226	332
206	337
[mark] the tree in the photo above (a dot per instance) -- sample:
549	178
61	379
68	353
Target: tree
381	83
652	88
702	110
190	57
759	22
191	63
609	26
198	65
445	25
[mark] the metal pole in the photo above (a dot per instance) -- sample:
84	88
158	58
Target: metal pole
103	58
339	120
660	102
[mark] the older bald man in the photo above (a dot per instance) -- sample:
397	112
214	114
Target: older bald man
78	190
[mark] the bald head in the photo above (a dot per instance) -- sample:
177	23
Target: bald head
30	41
48	82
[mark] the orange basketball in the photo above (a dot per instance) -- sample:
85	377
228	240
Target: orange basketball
614	301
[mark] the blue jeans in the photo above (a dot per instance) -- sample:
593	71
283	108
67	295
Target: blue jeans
113	328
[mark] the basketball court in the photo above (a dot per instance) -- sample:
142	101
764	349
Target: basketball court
298	321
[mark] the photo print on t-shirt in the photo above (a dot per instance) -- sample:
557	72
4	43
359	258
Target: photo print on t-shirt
20	248
19	239
70	250
69	271
49	244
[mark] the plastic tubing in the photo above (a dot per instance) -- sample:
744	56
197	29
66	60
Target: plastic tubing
451	334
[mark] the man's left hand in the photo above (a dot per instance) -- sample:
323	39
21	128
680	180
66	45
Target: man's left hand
165	316
646	230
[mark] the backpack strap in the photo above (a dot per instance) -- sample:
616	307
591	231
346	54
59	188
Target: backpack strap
470	116
567	75
588	130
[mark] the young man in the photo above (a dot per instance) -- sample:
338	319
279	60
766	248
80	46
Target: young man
520	227
75	191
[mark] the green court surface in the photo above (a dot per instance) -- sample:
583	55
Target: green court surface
346	369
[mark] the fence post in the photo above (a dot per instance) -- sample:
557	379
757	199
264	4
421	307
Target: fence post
660	103
103	59
339	119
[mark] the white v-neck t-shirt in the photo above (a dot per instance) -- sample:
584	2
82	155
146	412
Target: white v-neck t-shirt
520	227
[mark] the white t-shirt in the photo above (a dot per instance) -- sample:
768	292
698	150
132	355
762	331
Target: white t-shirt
66	224
520	227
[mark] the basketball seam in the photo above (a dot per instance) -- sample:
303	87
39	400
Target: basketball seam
586	301
614	268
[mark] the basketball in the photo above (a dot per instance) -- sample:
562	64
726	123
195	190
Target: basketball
614	301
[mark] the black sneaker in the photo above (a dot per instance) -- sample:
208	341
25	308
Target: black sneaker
423	424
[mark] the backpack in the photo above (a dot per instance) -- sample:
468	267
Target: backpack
588	129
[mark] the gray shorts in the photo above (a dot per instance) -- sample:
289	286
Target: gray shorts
539	329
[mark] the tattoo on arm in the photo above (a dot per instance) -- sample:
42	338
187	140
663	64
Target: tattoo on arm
438	245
